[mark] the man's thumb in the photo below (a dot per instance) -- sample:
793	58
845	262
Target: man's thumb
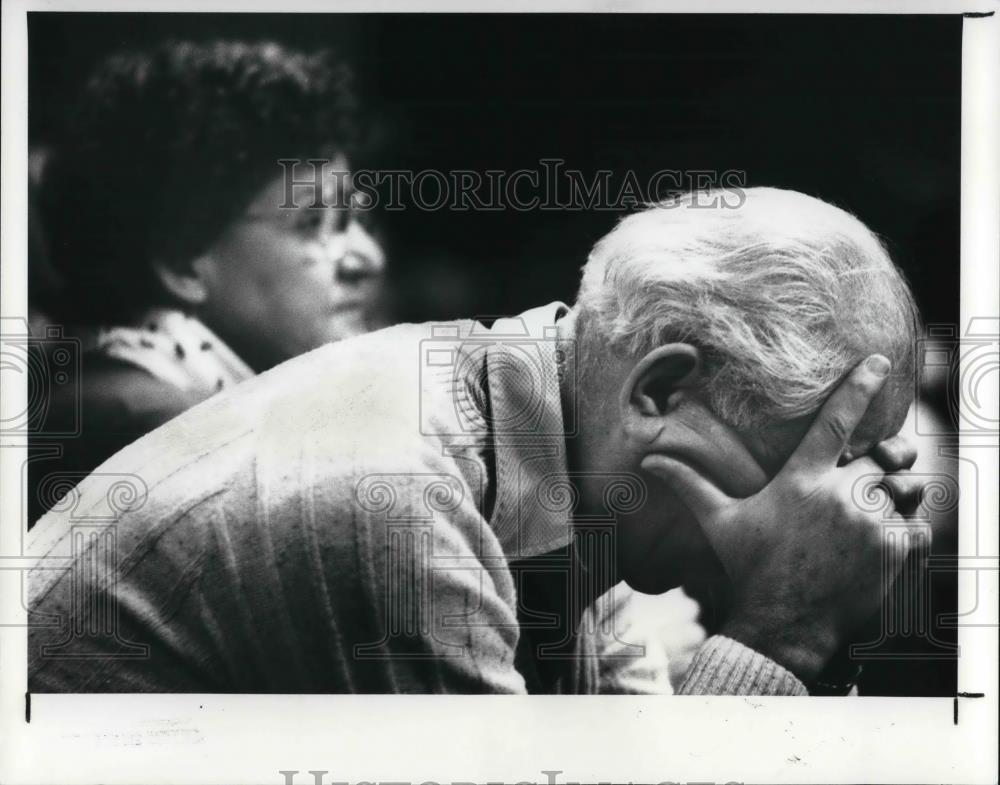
701	496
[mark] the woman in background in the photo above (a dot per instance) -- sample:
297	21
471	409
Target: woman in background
184	266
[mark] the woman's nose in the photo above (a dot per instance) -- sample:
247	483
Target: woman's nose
363	257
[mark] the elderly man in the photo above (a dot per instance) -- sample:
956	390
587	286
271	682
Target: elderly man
439	508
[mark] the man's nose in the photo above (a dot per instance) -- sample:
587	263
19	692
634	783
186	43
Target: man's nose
363	257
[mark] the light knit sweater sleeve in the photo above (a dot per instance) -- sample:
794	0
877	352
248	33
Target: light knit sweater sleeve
724	666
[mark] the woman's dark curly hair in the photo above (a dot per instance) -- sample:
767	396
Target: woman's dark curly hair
165	148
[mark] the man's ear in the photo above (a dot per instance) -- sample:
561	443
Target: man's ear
187	281
652	387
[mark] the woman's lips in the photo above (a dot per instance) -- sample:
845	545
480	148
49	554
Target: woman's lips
348	306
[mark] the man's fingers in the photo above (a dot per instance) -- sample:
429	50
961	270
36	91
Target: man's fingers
906	489
731	464
701	496
903	488
895	453
825	441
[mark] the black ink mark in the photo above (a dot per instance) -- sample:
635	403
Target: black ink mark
965	695
27	707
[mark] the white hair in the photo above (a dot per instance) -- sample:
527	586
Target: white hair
782	295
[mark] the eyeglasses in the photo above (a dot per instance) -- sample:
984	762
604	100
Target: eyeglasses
317	222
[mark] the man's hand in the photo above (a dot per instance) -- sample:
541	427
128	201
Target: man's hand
805	562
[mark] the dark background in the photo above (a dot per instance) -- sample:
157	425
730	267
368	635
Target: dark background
861	111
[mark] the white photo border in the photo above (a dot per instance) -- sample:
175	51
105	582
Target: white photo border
251	739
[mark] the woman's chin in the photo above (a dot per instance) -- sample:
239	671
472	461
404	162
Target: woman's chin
347	323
